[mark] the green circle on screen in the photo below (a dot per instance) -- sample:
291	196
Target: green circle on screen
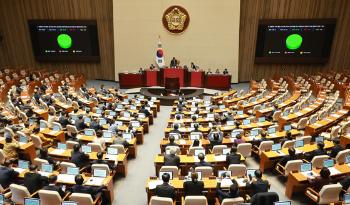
294	41
64	41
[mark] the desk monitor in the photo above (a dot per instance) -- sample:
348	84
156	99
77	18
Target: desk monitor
31	121
107	134
287	127
56	128
141	115
43	125
251	172
198	173
23	164
245	102
100	173
347	198
112	151
271	130
276	147
246	122
230	123
328	163
119	106
1	199
126	114
86	149
87	120
98	111
254	133
161	174
127	136
305	167
226	151
23	139
299	143
282	203
118	123
224	173
69	203
240	112
126	101
262	119
73	170
285	113
135	124
235	133
31	201
210	115
102	121
319	139
89	132
112	113
176	135
194	136
222	107
62	146
263	106
347	159
47	168
198	151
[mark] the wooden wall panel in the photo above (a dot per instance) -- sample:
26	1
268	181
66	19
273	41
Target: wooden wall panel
253	10
16	48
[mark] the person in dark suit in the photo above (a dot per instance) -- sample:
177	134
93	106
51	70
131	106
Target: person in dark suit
193	187
172	159
215	140
95	125
43	154
336	149
53	187
80	188
171	141
287	138
100	160
144	111
79	158
233	157
165	189
318	182
345	183
233	193
173	62
33	180
79	123
201	162
257	141
63	120
257	184
319	151
291	156
176	129
7	174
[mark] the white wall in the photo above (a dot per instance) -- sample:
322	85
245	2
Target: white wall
210	41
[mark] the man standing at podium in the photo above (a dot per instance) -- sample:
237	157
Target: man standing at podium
173	63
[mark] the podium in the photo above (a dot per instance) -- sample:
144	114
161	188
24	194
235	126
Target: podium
196	79
130	80
174	73
151	78
218	81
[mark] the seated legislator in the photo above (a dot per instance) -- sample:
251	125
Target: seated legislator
120	140
144	111
80	124
165	189
80	159
336	149
53	186
195	127
262	138
319	181
319	151
171	141
196	143
100	160
7	174
201	162
287	138
33	180
95	125
176	129
64	119
10	147
233	193
43	154
80	188
172	159
257	184
238	139
216	140
233	157
291	156
213	131
193	187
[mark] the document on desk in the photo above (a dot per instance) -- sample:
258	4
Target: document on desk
66	178
308	109
95	181
241	182
182	142
112	157
19	170
57	151
226	183
52	132
21	143
220	158
45	174
153	184
298	114
334	171
335	115
308	174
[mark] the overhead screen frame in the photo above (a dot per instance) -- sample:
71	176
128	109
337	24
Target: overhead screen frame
260	59
62	59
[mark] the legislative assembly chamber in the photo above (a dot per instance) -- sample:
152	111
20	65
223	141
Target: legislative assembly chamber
173	102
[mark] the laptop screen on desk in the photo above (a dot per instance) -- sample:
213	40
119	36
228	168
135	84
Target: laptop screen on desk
319	139
73	170
87	120
69	203
161	174
347	159
62	146
271	130
276	147
299	143
226	151
89	132
195	136
112	113
107	134
240	112
47	168
127	136
43	125
135	124
328	163
230	123
254	132
102	121
261	119
112	151
23	164
347	198
86	149
100	173
98	111
251	172
56	128
126	114
176	135
246	122
305	167
282	203
31	201
23	139
198	151
210	115
287	127
224	173
1	199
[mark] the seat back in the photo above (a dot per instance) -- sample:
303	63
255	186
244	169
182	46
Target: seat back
173	169
341	156
232	201
317	161
237	169
206	171
100	166
18	193
71	129
95	147
330	193
195	200
36	141
276	115
217	149
57	124
49	197
192	149
288	144
313	118
119	147
245	149
70	144
302	123
85	199
292	166
38	162
155	200
65	165
335	132
265	145
306	139
177	148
